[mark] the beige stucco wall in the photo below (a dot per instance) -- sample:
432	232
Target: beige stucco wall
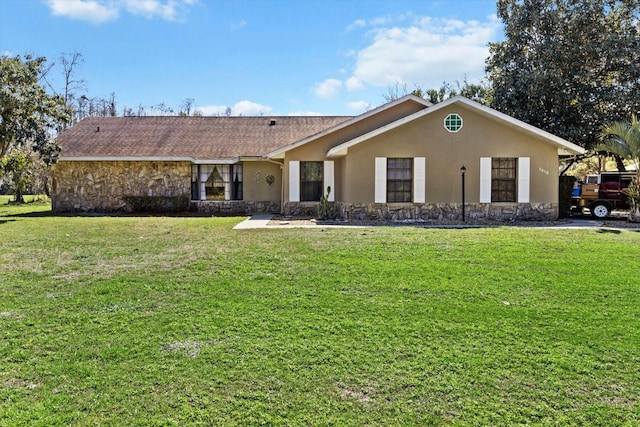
255	186
445	153
317	150
101	185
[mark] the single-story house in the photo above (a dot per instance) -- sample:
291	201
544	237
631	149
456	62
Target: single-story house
402	160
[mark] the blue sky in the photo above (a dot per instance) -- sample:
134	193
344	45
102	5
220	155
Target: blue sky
270	57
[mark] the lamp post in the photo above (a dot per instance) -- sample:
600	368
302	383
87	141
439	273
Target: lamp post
462	171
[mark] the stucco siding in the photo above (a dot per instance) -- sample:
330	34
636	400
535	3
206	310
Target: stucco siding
317	150
445	154
255	183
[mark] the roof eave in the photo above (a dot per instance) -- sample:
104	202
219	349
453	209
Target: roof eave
147	159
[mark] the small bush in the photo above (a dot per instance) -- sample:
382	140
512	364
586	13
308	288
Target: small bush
157	203
323	207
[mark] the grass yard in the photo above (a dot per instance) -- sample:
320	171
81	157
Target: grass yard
183	321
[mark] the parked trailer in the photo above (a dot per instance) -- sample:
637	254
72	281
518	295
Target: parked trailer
603	196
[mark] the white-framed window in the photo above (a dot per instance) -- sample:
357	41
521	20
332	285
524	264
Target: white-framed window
453	122
399	180
216	182
309	180
504	179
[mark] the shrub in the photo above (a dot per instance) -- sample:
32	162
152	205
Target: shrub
157	203
324	208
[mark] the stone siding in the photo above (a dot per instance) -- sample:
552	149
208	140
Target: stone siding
303	209
477	212
100	186
449	211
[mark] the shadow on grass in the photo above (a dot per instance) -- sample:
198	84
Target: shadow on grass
45	214
609	230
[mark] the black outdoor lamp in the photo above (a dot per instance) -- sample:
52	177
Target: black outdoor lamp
462	171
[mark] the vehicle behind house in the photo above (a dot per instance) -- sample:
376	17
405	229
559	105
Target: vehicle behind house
601	193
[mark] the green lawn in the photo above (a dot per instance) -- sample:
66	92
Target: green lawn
184	321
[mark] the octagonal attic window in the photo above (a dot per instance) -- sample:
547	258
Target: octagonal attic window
453	122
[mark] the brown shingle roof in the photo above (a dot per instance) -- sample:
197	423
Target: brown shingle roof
199	138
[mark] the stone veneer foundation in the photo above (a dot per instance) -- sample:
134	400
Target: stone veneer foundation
432	211
100	186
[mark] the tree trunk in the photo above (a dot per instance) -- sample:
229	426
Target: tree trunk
19	198
621	167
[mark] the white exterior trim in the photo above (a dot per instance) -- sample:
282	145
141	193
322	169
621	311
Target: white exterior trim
524	172
294	181
485	179
419	179
328	178
154	159
381	180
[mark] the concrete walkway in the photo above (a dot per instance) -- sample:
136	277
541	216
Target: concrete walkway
254	221
262	221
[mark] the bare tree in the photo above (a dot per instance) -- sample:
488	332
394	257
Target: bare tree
67	64
186	106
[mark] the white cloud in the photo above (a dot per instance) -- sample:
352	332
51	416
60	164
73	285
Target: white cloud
242	108
359	105
152	8
100	11
429	52
327	89
380	21
358	23
211	110
353	83
91	11
248	108
377	22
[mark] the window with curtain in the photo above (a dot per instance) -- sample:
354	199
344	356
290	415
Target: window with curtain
399	180
216	182
503	179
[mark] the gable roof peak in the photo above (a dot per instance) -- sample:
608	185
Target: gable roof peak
279	153
564	146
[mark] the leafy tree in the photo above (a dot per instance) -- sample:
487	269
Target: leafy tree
398	91
567	66
28	113
623	139
28	118
17	164
477	92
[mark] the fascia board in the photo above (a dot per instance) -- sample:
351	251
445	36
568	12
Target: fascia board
149	159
